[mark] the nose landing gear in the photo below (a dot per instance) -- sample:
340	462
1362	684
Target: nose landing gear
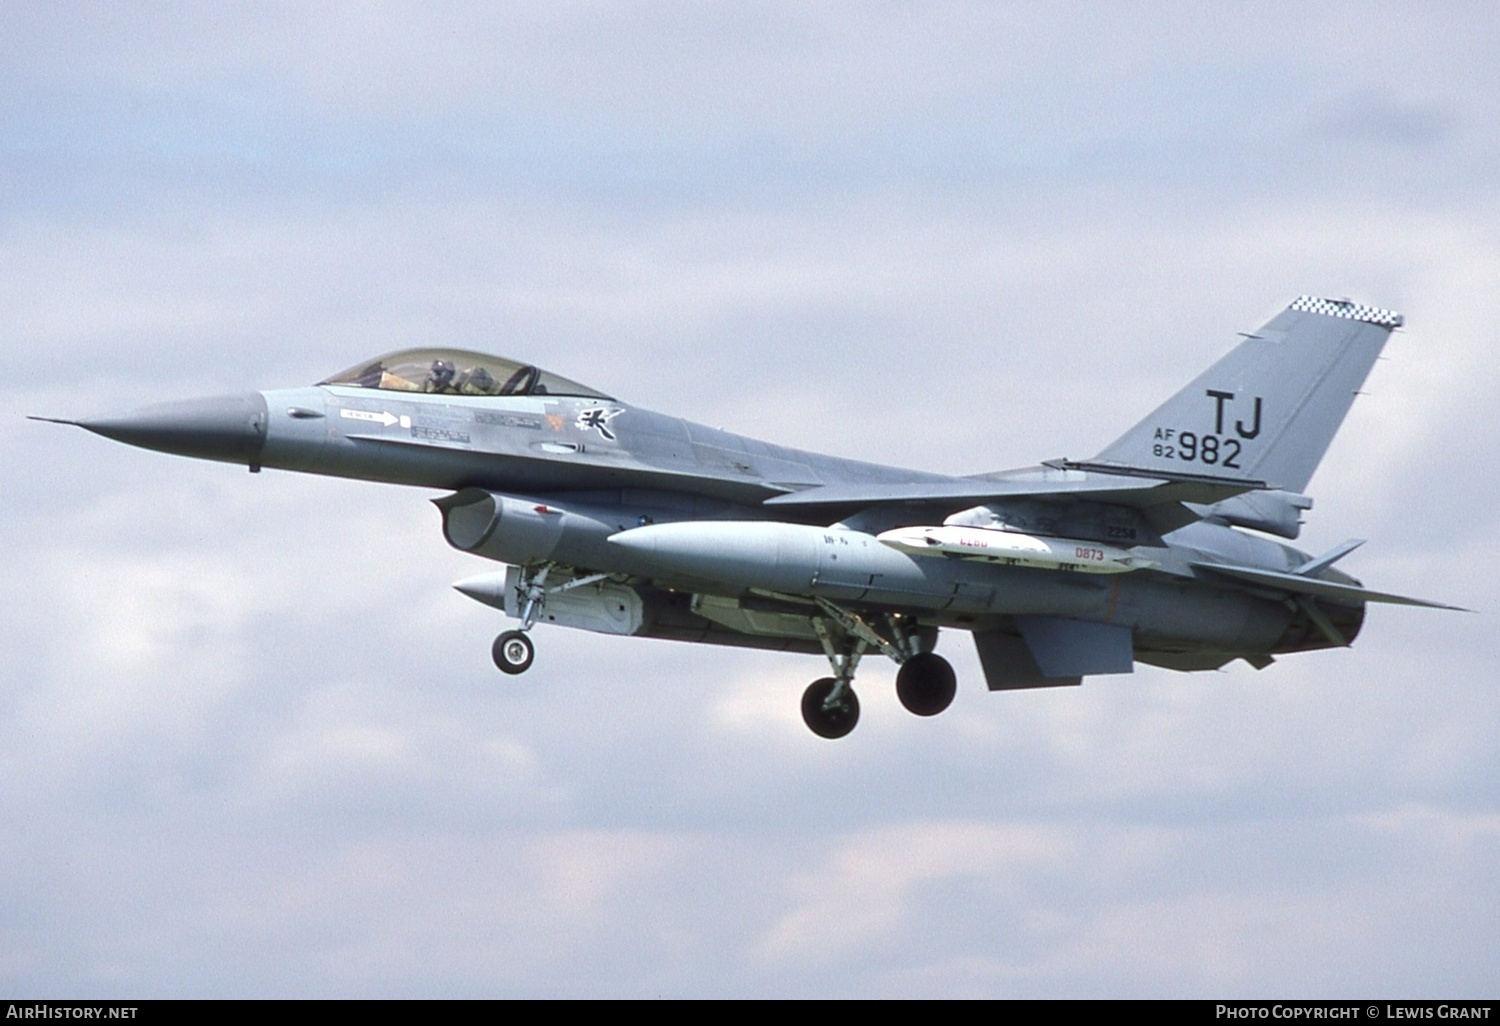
513	650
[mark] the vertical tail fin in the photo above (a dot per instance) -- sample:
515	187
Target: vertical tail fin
1269	409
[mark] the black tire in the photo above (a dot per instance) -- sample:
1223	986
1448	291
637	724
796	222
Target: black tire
830	723
926	684
513	652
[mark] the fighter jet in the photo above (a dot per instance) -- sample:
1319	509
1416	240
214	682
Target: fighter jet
1161	549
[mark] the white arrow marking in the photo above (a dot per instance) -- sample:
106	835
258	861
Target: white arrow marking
379	418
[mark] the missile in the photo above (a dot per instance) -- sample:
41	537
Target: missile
1011	548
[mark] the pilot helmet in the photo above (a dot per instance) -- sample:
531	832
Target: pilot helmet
479	381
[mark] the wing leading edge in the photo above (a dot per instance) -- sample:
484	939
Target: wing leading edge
1055	481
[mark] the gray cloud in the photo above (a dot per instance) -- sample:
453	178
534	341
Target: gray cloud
1377	121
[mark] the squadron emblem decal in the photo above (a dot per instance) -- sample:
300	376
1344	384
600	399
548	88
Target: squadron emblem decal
598	418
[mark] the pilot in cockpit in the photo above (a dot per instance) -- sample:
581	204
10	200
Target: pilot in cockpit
458	372
476	381
439	377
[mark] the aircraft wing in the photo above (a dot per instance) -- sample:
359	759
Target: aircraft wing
1060	481
1347	594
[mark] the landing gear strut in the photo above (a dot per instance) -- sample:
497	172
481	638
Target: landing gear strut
830	708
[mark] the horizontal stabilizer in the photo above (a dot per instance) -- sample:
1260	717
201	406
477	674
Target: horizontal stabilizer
1296	584
1332	556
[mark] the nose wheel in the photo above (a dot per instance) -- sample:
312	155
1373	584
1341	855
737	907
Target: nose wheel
513	652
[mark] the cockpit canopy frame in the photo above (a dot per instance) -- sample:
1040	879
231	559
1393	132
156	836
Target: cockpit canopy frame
442	371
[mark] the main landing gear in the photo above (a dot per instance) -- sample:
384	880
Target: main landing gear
925	684
830	708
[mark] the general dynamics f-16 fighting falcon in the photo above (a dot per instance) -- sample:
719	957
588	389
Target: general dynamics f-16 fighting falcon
615	519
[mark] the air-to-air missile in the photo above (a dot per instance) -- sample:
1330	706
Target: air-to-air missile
1011	548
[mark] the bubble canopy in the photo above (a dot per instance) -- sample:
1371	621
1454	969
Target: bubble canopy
457	372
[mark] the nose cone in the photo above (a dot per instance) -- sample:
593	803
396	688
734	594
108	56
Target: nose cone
231	428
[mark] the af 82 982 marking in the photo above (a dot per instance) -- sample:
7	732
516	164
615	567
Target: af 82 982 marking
1191	447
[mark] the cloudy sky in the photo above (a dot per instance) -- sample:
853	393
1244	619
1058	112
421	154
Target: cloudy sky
251	743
